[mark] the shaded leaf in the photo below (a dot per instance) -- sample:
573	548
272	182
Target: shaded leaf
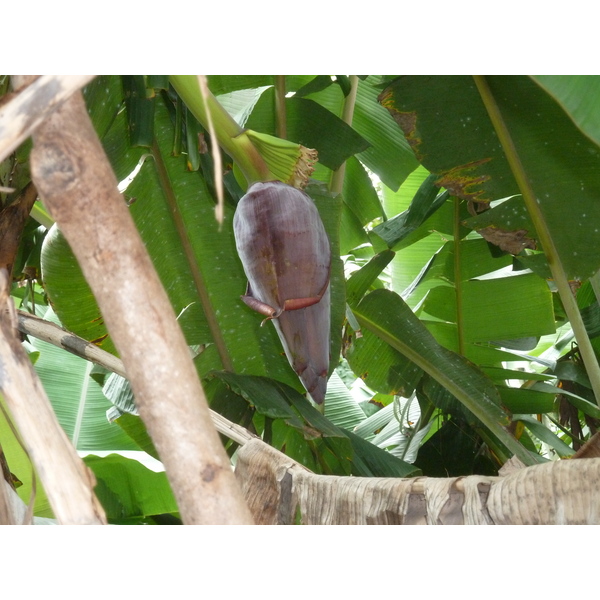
524	400
453	451
103	97
381	366
448	127
263	395
545	435
140	110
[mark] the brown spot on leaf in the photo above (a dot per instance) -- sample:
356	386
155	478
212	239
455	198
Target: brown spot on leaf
509	241
408	124
462	183
406	120
310	433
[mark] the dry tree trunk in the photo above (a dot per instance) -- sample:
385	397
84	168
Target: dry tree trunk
280	491
75	180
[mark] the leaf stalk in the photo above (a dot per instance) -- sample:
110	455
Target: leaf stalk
337	179
230	135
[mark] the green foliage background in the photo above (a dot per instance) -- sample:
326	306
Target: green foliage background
449	354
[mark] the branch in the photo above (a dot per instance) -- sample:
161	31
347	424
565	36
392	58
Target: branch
31	105
76	182
57	336
12	222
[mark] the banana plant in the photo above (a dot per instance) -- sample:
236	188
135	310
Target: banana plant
430	243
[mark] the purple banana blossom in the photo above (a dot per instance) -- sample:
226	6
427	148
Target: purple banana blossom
286	256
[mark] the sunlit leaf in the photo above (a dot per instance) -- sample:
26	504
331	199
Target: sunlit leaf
77	399
389	318
129	491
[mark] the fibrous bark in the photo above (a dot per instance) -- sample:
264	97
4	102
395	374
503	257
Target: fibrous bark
280	491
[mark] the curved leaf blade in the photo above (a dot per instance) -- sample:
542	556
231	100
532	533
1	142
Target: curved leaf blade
129	491
386	315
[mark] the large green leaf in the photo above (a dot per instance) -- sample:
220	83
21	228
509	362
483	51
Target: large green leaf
360	194
69	293
385	314
474	260
415	249
225	84
21	467
389	155
104	97
382	367
341	408
521	305
545	435
446	123
338	451
360	281
425	202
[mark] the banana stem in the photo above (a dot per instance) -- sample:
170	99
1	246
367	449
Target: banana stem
337	179
230	135
280	114
537	216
